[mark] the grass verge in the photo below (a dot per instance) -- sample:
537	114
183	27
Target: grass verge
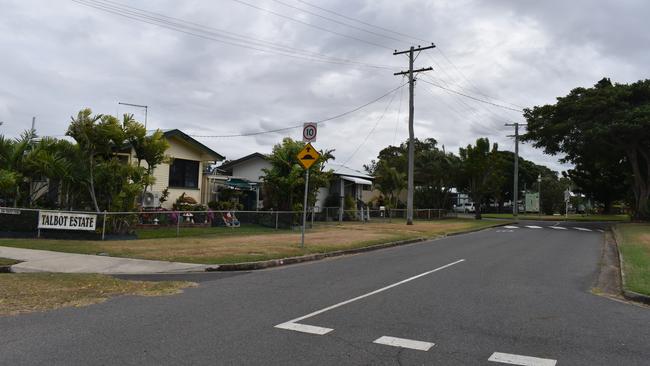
8	262
634	244
29	292
241	246
575	217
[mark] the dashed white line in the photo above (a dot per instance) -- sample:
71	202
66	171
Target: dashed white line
582	229
511	227
304	328
521	360
558	227
533	227
404	343
601	230
293	325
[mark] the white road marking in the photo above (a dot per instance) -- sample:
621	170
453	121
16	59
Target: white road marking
582	229
404	343
293	325
533	227
521	360
557	227
511	227
304	328
601	231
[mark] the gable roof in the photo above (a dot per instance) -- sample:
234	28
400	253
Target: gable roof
189	139
339	169
230	164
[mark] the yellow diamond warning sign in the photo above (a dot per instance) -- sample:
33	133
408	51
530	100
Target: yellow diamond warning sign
308	156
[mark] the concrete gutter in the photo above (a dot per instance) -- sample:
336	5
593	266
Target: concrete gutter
630	295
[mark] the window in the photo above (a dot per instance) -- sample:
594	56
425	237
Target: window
184	174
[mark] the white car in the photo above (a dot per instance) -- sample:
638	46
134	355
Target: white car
467	207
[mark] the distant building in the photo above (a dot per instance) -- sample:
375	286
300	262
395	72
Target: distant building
246	174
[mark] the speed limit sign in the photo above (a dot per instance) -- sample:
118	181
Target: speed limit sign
309	132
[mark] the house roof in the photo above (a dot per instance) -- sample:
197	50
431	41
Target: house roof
189	139
346	171
230	164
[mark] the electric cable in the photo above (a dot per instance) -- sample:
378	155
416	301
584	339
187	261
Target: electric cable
300	125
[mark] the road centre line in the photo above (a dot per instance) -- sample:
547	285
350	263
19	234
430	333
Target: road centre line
511	227
533	227
404	343
293	325
521	360
558	227
582	229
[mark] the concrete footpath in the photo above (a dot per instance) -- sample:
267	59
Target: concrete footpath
47	261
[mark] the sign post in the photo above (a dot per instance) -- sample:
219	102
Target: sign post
306	157
567	196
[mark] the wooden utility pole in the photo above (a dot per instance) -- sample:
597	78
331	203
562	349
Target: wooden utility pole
515	189
410	72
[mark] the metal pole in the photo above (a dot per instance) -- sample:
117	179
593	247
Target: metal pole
104	226
178	223
313	209
276	219
342	204
539	194
304	210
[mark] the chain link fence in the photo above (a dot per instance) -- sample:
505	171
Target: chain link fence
85	225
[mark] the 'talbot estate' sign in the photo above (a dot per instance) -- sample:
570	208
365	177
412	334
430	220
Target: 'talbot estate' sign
66	221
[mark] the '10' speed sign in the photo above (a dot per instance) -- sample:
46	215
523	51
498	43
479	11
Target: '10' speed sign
309	132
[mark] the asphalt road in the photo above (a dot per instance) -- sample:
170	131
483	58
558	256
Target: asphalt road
518	295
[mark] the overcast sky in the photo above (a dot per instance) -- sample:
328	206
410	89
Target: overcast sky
60	56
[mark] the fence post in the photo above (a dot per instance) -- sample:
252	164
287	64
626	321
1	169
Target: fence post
178	223
313	210
429	214
104	226
276	219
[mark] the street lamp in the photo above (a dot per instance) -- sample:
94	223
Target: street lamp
539	194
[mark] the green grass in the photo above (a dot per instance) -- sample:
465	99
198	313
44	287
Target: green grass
634	244
170	232
8	262
572	217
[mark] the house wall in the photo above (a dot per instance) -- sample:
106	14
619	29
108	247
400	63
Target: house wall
251	169
180	150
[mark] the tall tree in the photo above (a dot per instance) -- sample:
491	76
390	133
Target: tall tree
284	181
477	166
608	122
98	136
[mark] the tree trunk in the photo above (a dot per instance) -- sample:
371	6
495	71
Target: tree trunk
641	184
91	187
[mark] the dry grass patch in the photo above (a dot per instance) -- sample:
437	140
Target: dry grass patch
29	292
254	247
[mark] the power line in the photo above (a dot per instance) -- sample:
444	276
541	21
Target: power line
311	25
463	76
212	34
339	22
300	125
390	102
471	97
362	22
